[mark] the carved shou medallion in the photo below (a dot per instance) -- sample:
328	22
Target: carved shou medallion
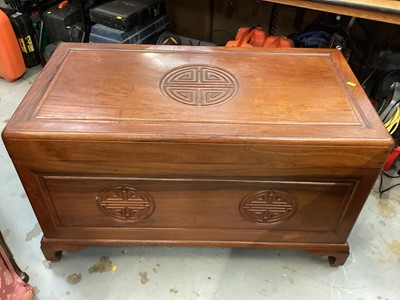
199	85
269	206
126	203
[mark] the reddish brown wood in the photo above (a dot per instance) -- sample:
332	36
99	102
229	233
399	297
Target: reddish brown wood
149	145
377	10
337	257
50	253
52	250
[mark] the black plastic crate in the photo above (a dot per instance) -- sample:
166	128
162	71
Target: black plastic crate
63	21
126	14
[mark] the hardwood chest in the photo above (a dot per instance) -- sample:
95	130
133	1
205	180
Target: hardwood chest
151	145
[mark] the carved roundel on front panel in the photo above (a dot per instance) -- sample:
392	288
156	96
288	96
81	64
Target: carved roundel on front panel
199	85
269	206
126	203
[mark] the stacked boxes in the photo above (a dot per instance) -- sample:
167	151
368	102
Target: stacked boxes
128	21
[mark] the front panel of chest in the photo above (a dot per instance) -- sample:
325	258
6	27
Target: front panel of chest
231	209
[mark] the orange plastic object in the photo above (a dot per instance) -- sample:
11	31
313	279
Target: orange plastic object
255	38
63	4
12	64
278	42
248	37
240	35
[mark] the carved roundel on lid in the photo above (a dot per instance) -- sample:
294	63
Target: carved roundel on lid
268	207
126	203
199	85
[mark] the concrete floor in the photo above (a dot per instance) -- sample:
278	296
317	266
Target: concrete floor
371	272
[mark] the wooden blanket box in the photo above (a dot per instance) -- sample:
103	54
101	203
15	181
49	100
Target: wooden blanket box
197	146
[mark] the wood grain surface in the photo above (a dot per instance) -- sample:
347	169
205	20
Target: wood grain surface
387	11
282	94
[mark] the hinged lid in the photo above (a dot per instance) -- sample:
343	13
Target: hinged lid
202	94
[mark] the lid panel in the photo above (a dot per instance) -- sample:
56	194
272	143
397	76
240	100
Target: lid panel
197	94
198	87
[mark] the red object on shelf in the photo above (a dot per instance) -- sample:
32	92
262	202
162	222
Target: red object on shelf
278	42
63	4
248	37
256	37
391	159
12	64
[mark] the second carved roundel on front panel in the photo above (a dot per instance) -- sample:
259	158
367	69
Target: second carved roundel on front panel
268	206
